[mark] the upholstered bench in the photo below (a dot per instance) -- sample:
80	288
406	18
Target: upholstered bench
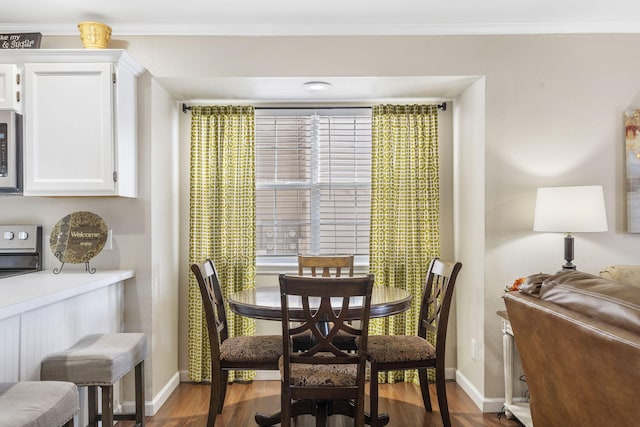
38	404
100	360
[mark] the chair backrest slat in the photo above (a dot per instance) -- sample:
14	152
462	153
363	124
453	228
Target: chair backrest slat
436	301
213	303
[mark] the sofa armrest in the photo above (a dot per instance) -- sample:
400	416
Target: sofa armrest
580	370
612	302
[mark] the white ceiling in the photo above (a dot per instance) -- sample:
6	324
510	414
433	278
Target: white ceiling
343	90
296	17
321	17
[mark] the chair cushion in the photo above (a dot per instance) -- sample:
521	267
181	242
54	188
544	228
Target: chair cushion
304	375
37	403
99	359
399	348
261	348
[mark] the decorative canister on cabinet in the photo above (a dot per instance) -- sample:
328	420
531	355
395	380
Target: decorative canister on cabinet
94	35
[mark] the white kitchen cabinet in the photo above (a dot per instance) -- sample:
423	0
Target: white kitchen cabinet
10	88
80	122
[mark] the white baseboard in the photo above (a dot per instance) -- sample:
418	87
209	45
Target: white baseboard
184	377
449	373
486	405
493	405
470	389
268	375
151	407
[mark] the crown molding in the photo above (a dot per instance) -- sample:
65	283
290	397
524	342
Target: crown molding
230	29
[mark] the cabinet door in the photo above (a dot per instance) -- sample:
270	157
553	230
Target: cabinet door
9	94
69	142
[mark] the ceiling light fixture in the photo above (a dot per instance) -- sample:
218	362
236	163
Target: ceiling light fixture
316	85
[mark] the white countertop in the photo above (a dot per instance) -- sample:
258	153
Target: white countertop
33	290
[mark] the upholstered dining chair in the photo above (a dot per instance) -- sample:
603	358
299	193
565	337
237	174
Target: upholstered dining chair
229	353
325	375
398	352
325	266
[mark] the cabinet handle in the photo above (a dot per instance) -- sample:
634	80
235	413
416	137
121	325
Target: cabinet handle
115	176
17	92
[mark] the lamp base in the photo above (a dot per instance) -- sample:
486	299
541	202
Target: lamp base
568	253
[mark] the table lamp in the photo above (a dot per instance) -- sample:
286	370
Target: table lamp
569	210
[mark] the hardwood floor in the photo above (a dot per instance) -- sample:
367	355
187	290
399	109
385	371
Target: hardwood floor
188	406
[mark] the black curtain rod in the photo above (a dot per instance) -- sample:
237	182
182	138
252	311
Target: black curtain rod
186	108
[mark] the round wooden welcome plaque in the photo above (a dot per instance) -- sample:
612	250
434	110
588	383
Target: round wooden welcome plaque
77	238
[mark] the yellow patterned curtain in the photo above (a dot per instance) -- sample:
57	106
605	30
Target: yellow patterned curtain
405	234
222	218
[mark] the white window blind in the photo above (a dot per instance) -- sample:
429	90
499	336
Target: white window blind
313	181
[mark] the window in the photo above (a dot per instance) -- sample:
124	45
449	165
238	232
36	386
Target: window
313	181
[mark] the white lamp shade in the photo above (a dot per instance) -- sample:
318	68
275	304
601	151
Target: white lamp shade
570	209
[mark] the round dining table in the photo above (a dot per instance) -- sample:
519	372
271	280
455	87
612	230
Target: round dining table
264	303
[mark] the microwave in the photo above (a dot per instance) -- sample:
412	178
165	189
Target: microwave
10	152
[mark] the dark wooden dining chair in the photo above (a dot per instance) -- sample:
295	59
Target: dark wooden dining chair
325	266
229	353
324	375
328	265
398	352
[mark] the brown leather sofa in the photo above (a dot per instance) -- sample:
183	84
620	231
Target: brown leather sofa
578	336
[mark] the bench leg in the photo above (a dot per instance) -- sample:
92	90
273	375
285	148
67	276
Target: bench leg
107	416
140	394
107	405
92	405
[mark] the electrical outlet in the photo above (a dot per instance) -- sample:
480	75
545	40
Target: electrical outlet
474	349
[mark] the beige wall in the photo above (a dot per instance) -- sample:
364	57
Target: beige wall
469	237
145	232
165	223
552	108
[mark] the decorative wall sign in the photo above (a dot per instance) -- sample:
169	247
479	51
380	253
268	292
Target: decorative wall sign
20	40
632	145
77	238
